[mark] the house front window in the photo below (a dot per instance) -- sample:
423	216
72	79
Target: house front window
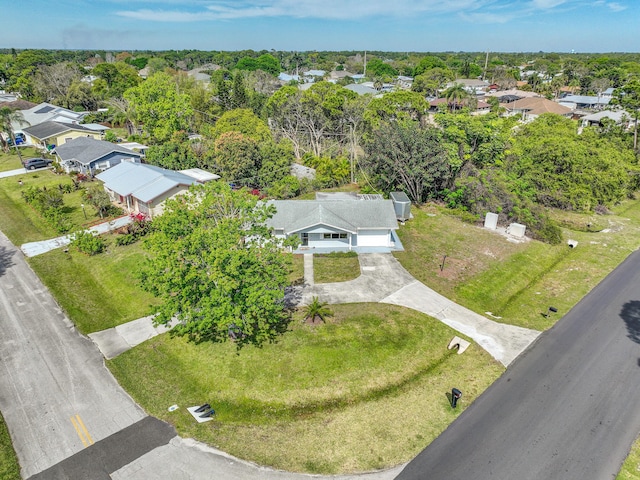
335	236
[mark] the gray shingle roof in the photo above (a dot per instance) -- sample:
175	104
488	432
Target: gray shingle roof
144	182
86	150
45	130
347	215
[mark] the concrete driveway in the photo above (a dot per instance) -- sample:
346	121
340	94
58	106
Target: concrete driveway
21	171
383	279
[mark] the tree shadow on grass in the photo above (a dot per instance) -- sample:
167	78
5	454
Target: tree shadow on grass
5	259
631	315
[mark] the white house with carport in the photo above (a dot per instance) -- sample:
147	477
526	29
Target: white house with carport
141	188
360	224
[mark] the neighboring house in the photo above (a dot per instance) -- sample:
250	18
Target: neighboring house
512	92
404	82
481	107
618	116
584	102
88	155
336	75
57	133
361	89
46	112
144	188
471	85
286	78
345	224
531	108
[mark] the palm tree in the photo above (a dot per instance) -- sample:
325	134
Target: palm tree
8	117
456	95
317	309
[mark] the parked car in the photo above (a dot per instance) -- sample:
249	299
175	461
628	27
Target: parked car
33	163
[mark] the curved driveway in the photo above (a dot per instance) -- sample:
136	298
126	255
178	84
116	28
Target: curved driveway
383	279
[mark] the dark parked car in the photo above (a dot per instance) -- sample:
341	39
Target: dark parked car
33	163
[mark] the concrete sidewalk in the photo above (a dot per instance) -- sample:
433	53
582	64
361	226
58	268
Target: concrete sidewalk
32	249
114	341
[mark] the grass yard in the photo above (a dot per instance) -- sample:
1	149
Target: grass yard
296	276
631	467
96	292
22	223
9	467
11	160
367	390
517	282
335	267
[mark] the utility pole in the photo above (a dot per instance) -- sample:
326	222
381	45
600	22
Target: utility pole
486	63
365	63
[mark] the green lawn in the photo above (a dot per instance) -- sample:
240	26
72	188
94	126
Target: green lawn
11	160
9	467
96	292
22	223
296	276
631	467
366	390
335	267
517	282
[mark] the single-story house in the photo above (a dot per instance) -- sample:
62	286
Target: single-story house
584	101
88	155
530	108
618	116
142	188
338	225
46	112
473	86
481	107
361	89
50	133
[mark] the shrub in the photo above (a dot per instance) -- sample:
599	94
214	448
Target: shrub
125	239
88	243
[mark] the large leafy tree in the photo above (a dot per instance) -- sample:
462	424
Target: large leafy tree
237	158
406	156
217	267
554	166
395	106
160	107
242	120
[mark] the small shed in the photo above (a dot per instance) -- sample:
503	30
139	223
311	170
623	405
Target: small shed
402	205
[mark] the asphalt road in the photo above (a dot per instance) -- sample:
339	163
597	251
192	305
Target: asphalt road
565	409
56	395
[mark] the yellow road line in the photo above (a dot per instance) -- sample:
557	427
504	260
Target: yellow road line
82	431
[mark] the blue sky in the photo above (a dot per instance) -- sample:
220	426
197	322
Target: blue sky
391	25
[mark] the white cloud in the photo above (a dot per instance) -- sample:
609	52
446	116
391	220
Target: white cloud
546	4
327	9
616	7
